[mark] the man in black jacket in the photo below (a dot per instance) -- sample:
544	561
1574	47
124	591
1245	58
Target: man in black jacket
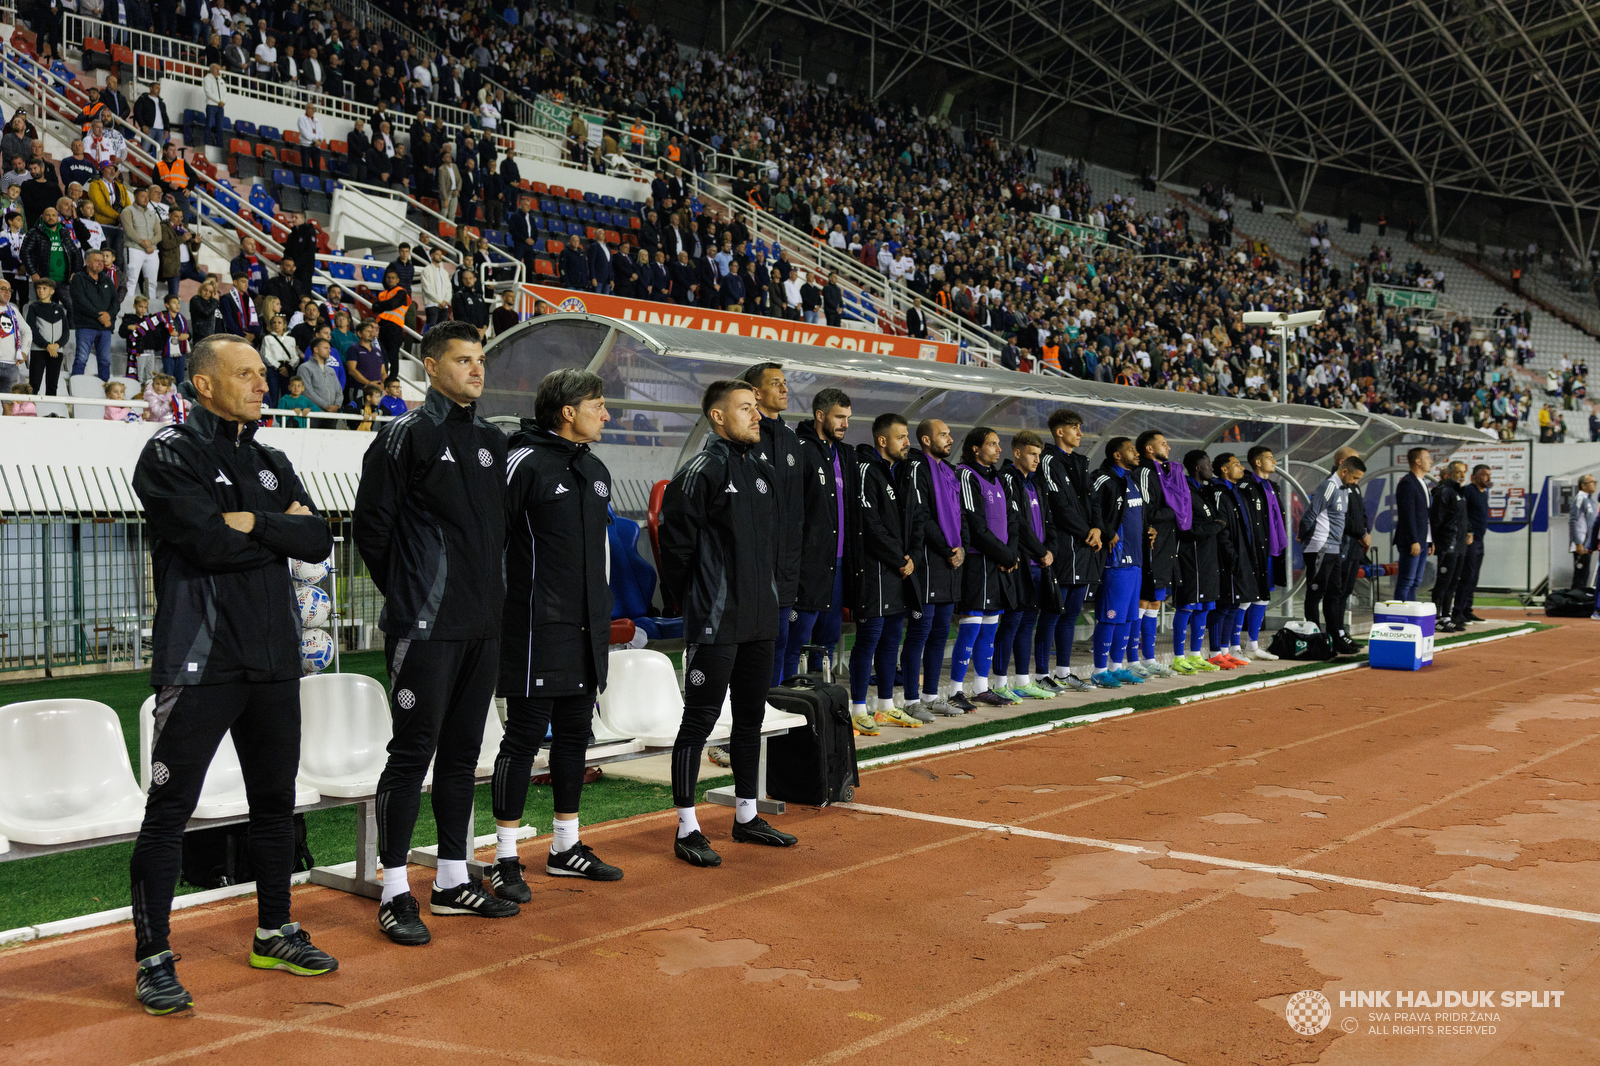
780	449
883	563
430	525
1034	577
718	555
828	541
1476	493
1196	582
1074	518
226	514
930	491
575	265
1447	517
554	641
833	301
1158	478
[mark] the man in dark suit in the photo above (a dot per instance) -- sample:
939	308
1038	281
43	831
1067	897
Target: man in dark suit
600	275
705	276
524	234
916	324
1411	535
623	274
575	265
833	302
650	234
683	277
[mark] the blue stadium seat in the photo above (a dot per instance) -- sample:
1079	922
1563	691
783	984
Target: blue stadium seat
549	207
586	214
372	275
270	133
609	201
342	271
591	198
626	205
245	129
310	183
568	211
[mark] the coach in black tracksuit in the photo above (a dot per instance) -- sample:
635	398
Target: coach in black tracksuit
555	637
828	545
225	514
430	525
1447	519
718	553
780	449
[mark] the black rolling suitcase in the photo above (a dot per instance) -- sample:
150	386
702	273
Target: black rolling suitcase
815	765
1569	603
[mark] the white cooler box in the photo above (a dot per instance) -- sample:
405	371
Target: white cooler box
1395	646
1408	612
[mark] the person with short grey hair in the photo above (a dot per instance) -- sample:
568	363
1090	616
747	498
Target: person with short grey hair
1580	526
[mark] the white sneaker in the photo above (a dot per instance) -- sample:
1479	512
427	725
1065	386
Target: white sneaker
1258	652
1156	669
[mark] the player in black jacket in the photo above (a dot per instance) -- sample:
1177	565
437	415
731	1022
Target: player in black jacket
1447	519
1074	520
930	492
990	526
883	564
1160	480
225	515
1035	583
430	524
1241	560
555	639
718	553
1196	585
781	450
827	554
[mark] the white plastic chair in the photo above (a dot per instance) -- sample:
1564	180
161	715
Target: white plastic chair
222	795
87	385
45	410
344	733
772	719
642	699
494	728
65	774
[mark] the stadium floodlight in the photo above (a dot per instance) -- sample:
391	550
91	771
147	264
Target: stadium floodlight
1282	319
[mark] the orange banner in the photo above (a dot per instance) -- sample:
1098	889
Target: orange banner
777	329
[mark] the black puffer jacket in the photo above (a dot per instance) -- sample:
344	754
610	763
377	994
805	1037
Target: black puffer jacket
718	549
557	628
880	590
430	522
1161	558
780	449
820	540
225	605
934	580
1447	516
1197	579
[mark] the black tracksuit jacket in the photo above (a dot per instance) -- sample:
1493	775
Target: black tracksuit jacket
718	548
933	580
820	540
1064	477
556	633
885	537
430	522
983	586
1023	592
1238	568
225	604
1161	558
780	449
1197	579
1447	518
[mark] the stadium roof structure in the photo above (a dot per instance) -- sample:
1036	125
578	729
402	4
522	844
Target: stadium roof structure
655	375
1482	96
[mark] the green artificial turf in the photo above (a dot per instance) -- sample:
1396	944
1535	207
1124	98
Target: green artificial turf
34	891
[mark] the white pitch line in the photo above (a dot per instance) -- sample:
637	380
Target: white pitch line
1233	864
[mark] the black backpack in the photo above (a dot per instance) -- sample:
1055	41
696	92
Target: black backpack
1569	603
1308	647
220	856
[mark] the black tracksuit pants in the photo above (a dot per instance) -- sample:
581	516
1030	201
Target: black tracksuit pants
527	717
712	671
1444	585
264	719
1325	581
1467	587
439	696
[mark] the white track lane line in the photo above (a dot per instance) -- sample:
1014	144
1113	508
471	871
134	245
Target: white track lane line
1233	864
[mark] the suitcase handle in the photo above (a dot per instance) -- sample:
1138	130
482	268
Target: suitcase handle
827	660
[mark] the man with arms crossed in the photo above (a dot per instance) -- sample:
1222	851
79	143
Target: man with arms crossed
931	492
1065	474
1476	493
718	550
555	640
430	524
226	513
780	449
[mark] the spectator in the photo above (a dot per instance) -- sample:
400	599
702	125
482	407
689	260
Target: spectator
205	311
312	138
150	115
320	380
216	93
141	228
391	307
468	304
49	328
94	302
437	289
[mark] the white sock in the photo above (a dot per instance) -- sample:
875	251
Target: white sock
687	822
505	841
267	934
1255	645
744	810
394	883
564	834
452	872
885	704
858	708
1063	671
980	684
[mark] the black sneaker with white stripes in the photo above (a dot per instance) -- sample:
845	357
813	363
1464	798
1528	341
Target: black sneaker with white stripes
580	861
400	922
470	898
759	831
505	879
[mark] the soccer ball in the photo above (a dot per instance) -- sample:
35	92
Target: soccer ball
316	651
306	573
314	606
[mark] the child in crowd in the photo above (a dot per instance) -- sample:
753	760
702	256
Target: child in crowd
144	352
165	403
24	408
115	390
297	400
48	321
11	253
371	407
393	404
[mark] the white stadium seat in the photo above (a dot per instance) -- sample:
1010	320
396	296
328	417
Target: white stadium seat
773	719
65	774
494	727
223	793
87	385
642	699
344	733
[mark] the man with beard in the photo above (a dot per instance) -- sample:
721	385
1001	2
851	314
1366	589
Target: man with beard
990	524
1241	559
1165	488
883	562
931	493
1121	504
1196	583
1065	477
1034	584
1262	465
